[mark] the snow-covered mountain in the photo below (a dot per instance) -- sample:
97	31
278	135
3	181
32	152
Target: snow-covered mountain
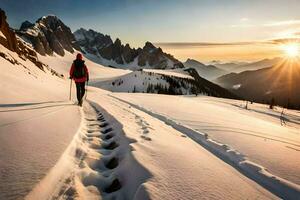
12	43
103	50
209	72
49	35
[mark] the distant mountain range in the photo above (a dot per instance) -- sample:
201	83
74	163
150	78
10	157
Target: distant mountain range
246	66
104	51
208	72
280	82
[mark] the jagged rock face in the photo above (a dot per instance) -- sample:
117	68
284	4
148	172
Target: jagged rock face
49	34
129	54
92	41
8	37
156	57
101	45
25	25
14	43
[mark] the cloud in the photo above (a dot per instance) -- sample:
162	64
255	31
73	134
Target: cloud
285	40
244	23
202	44
283	23
276	41
244	19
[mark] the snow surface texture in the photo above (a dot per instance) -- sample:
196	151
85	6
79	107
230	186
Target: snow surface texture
128	154
245	133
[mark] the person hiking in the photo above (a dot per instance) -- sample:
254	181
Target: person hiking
80	74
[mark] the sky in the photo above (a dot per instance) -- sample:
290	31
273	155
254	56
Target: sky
243	25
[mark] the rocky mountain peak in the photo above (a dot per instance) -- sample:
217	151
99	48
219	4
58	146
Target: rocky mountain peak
9	40
118	42
49	35
50	21
149	46
25	25
190	61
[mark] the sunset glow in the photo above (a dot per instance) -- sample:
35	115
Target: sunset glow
291	50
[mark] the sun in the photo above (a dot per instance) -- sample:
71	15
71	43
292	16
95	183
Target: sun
291	50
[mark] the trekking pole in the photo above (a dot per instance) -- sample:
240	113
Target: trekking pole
70	90
87	83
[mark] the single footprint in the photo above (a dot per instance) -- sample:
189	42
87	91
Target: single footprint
114	186
111	145
146	138
112	163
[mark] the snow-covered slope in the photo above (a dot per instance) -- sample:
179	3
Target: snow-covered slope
121	152
163	82
252	139
181	73
149	82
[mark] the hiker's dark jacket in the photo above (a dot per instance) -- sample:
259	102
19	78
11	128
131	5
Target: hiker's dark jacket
79	79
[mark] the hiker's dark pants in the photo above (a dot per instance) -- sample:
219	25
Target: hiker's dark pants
80	90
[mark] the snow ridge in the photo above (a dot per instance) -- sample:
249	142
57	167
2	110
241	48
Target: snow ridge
277	185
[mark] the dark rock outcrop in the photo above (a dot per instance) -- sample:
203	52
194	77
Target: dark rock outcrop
26	25
48	35
8	37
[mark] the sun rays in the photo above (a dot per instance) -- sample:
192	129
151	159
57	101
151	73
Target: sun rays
285	70
291	50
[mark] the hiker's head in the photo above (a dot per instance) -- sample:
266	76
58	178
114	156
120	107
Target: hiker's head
79	56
